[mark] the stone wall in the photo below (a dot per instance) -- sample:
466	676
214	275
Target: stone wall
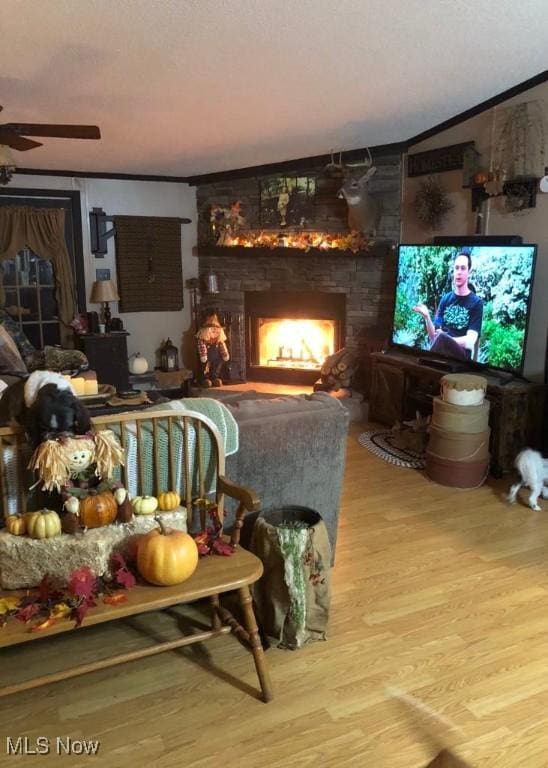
367	279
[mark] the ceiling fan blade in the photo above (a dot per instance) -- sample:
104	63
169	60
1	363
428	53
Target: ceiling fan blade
13	140
56	131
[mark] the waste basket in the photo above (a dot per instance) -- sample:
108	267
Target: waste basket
293	595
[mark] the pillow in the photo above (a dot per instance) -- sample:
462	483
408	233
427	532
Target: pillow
10	359
22	343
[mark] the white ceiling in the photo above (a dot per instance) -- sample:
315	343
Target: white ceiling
181	87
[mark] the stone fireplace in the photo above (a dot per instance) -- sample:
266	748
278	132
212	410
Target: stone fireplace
288	334
350	296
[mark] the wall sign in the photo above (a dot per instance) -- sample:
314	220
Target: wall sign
437	160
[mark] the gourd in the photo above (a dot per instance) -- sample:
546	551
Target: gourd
145	505
166	557
98	509
138	364
44	524
168	500
125	510
16	525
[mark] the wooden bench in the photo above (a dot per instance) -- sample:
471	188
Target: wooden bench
193	443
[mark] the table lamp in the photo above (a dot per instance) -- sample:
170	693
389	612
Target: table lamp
102	292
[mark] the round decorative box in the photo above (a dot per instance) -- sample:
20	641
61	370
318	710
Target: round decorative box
469	419
463	389
458	446
456	474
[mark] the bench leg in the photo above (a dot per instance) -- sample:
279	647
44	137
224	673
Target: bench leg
215	619
255	644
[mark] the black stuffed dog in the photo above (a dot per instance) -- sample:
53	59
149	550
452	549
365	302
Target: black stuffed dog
45	406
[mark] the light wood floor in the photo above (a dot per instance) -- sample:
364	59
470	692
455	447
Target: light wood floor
441	593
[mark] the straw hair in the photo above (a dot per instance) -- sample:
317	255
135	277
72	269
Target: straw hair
108	453
51	458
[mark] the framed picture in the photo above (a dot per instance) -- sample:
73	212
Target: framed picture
287	201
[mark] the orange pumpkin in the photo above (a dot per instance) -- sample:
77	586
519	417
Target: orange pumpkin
168	500
16	524
98	509
166	556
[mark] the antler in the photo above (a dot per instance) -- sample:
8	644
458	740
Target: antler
367	163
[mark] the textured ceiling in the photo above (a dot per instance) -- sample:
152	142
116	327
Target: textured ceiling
180	87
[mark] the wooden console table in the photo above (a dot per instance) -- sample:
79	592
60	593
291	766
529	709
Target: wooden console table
400	386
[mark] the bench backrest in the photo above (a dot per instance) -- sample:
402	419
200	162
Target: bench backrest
165	451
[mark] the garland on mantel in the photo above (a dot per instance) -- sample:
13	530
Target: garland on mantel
351	241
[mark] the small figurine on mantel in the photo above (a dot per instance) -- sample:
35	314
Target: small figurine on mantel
212	351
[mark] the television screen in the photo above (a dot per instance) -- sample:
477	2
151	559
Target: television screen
465	303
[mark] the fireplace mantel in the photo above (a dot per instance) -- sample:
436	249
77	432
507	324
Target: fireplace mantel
379	248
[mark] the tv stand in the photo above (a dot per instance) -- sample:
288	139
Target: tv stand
447	366
402	384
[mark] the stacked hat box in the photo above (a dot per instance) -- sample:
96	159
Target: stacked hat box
458	446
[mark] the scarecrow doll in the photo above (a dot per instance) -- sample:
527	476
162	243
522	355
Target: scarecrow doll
212	351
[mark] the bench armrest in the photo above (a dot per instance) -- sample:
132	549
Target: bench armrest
249	502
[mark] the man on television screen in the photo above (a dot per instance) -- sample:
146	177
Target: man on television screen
456	327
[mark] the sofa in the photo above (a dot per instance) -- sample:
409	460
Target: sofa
292	451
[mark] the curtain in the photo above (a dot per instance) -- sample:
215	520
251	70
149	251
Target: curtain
43	231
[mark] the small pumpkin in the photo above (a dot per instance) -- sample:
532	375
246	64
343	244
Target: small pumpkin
98	509
166	557
44	524
145	505
168	500
16	525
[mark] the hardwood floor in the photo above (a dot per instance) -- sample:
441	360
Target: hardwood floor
438	592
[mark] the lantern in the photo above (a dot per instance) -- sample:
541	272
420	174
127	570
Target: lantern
169	357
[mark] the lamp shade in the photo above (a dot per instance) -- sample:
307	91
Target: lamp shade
103	290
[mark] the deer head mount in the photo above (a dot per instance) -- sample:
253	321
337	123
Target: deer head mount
363	209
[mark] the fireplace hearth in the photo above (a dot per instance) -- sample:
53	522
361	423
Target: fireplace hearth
290	333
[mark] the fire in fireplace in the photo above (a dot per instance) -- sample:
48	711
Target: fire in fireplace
289	334
289	343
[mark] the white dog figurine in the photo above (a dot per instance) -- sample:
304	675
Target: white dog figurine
534	474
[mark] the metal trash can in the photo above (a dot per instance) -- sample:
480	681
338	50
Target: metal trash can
292	597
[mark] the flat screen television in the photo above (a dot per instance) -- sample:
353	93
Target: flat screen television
466	304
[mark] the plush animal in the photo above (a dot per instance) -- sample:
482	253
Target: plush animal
45	406
534	474
212	351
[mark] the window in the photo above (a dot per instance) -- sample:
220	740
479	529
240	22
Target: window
29	289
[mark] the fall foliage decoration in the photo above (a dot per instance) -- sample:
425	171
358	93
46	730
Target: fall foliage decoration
51	603
210	541
168	500
166	556
98	509
43	524
343	241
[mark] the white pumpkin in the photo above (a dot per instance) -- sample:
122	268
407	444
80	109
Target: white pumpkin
138	364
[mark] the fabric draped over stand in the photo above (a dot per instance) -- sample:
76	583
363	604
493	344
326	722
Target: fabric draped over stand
43	231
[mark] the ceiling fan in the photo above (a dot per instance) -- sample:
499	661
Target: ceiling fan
14	136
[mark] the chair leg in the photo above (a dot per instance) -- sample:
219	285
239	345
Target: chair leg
255	643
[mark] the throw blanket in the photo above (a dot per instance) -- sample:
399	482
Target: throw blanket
215	411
